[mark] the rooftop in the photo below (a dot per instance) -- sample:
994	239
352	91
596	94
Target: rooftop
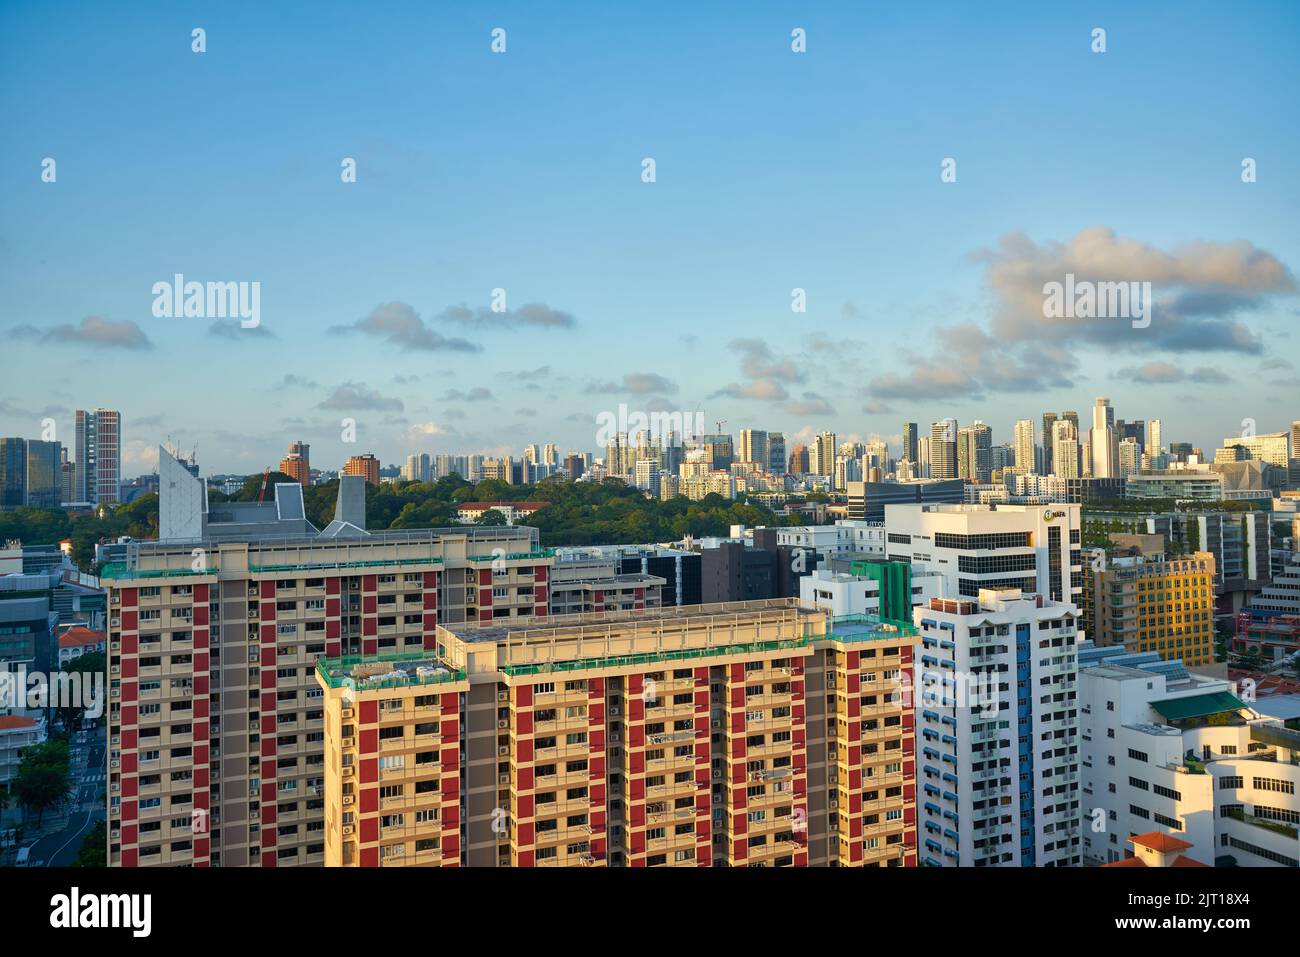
869	628
385	671
1160	842
12	722
567	626
520	506
80	637
1198	706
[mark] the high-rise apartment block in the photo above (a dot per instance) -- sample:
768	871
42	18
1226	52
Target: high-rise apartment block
997	704
216	723
752	734
297	464
909	441
367	466
943	449
99	456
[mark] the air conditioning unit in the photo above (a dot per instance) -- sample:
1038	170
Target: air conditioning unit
346	713
834	805
614	711
503	751
349	742
503	779
348	829
116	669
717	724
503	724
348	770
502	696
349	799
114	764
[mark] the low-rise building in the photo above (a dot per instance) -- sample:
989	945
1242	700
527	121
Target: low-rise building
78	641
1179	752
470	512
16	733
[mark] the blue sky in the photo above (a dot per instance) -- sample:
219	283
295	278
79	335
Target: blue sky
522	171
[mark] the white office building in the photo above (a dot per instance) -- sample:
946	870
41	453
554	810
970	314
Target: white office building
1029	547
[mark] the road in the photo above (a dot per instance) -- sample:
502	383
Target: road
60	848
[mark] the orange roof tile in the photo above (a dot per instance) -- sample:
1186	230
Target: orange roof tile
1185	861
11	722
79	637
1127	862
1160	842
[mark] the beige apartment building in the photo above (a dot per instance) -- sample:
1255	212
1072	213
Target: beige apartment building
743	734
216	721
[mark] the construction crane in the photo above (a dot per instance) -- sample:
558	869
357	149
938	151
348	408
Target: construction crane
265	475
719	423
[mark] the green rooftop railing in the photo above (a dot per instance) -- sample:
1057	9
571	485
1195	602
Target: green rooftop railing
119	570
514	556
325	565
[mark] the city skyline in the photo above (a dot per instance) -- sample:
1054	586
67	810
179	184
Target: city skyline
775	172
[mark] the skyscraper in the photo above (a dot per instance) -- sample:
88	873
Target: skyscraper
1130	457
297	464
776	463
1105	447
753	447
943	449
44	474
821	457
1295	455
909	441
99	455
974	447
1024	447
1049	420
1065	449
798	460
13	473
366	466
1154	439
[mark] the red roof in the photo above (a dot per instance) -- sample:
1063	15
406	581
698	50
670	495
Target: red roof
1127	862
80	637
1185	861
1160	842
11	722
522	506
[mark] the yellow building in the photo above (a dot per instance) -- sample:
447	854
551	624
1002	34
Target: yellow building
1154	604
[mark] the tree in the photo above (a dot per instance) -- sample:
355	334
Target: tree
42	781
252	487
93	851
491	517
85	668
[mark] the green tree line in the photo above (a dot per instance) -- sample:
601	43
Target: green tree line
580	513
